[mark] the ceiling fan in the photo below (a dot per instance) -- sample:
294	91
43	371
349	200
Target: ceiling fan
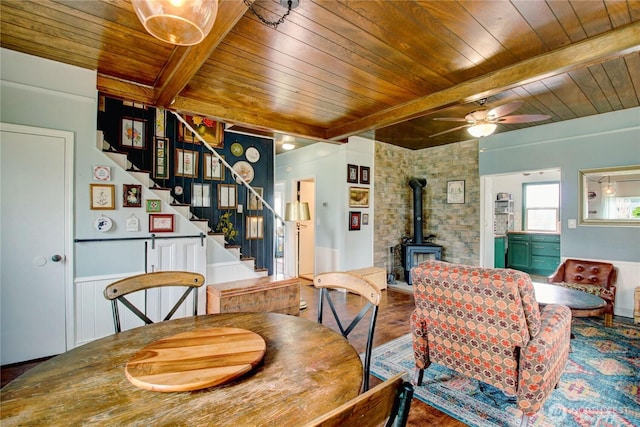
483	122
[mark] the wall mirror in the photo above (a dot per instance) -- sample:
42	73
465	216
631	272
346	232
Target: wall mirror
610	196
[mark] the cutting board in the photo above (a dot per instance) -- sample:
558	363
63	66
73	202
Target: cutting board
195	360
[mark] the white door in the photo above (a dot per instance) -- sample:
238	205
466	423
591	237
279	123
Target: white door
35	190
307	231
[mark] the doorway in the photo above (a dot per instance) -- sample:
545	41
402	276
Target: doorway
307	193
510	184
36	183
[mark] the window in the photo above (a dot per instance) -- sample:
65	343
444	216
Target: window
541	206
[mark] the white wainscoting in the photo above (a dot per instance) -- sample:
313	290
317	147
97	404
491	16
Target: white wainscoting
93	317
628	279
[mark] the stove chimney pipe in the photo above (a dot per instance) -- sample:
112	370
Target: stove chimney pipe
416	185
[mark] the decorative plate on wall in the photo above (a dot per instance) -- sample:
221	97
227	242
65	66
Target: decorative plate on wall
236	149
245	170
252	154
103	223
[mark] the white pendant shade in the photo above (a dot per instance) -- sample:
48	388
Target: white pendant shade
483	129
180	22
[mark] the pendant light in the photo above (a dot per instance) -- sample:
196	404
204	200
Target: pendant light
179	22
608	189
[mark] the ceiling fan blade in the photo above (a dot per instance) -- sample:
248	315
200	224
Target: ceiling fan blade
450	119
450	130
504	109
523	118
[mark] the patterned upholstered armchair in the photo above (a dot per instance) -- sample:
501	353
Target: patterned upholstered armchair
595	277
485	324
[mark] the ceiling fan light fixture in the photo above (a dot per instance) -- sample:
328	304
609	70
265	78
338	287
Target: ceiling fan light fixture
179	22
482	129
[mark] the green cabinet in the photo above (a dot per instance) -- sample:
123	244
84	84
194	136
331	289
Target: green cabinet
533	253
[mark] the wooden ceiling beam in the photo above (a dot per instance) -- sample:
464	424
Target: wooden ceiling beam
185	61
125	89
234	116
618	42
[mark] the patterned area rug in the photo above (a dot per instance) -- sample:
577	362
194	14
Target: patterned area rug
599	387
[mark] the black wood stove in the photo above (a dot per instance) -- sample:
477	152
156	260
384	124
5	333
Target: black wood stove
413	253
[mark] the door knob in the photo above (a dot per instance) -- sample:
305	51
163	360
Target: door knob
56	258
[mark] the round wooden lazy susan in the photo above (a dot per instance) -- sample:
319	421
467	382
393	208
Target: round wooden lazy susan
195	360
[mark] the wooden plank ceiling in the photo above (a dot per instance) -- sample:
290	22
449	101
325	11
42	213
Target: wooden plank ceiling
340	68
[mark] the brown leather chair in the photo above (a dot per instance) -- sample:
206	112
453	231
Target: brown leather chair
595	277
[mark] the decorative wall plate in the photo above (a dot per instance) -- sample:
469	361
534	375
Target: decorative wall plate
178	190
103	223
245	170
236	149
252	154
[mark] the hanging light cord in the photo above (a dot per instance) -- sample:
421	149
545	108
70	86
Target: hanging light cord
273	24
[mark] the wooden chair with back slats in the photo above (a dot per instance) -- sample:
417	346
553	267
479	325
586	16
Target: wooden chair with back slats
357	285
387	403
118	290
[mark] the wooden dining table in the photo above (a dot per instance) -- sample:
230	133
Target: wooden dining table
307	370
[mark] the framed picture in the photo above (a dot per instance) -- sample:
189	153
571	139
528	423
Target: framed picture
352	173
210	130
213	168
227	196
186	163
131	196
161	157
160	223
365	175
455	191
133	132
365	219
253	203
200	195
358	197
154	205
103	196
102	173
354	220
254	228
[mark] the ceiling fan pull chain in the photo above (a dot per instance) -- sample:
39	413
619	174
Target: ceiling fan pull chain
273	24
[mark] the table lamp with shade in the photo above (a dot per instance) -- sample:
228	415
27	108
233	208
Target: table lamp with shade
298	212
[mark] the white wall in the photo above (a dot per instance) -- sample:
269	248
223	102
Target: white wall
337	248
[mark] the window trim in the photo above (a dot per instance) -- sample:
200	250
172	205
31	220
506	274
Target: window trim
525	210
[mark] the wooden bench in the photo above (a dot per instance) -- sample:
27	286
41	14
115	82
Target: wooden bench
263	294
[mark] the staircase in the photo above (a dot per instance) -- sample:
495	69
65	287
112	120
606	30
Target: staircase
224	262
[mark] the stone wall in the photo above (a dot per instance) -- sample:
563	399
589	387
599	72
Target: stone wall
456	226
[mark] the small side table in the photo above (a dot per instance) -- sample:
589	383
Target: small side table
636	305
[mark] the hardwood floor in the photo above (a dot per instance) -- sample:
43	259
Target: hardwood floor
393	321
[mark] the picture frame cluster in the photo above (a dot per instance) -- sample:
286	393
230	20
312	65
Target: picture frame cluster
359	196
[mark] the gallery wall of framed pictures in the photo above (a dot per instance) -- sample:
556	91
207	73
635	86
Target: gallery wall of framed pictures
179	161
359	195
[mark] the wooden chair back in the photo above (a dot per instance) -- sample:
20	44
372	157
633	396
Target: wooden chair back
118	290
387	403
360	286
